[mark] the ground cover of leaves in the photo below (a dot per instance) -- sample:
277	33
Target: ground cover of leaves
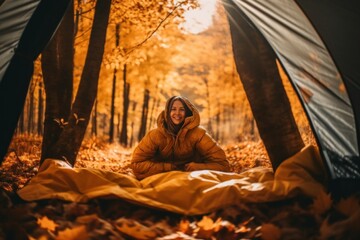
300	218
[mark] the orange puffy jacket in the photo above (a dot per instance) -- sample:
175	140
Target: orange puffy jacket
159	151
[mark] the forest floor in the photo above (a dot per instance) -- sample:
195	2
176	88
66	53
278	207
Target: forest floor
299	218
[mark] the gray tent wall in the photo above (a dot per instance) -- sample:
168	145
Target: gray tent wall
25	29
320	60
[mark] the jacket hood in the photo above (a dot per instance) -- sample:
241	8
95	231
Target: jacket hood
189	123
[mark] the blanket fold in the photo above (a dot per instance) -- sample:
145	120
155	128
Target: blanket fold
189	193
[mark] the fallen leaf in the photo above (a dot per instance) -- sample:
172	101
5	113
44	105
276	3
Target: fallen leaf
87	218
227	225
348	206
345	229
161	228
206	223
270	232
134	229
75	209
76	233
46	223
39	238
243	229
207	227
322	203
177	236
293	233
184	225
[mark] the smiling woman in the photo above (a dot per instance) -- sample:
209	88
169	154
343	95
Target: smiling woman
177	144
199	19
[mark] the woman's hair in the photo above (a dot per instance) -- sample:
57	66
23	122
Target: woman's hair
172	128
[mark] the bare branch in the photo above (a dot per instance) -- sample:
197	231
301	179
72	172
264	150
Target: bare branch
131	49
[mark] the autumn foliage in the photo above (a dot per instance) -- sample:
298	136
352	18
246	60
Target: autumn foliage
300	218
148	58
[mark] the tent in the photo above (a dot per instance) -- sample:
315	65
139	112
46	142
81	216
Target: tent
25	29
316	42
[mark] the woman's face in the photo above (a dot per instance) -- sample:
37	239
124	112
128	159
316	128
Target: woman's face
177	112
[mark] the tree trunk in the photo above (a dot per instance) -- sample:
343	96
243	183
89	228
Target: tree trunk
144	114
256	64
132	135
40	110
57	68
118	126
21	124
209	126
70	140
217	134
152	118
126	101
154	103
112	107
30	123
94	120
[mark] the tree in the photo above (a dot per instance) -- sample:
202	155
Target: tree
256	64
57	67
126	102
113	93
70	139
94	120
141	25
40	109
144	114
30	123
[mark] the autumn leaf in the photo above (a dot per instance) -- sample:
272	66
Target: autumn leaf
161	228
76	233
227	225
134	229
75	209
177	236
348	206
47	223
344	229
207	227
39	238
325	229
270	232
78	119
87	218
322	203
243	229
184	226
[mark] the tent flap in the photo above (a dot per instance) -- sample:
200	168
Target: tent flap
319	66
25	29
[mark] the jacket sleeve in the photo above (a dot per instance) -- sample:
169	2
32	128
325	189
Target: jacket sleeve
144	161
212	155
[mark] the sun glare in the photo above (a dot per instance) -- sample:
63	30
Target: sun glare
198	20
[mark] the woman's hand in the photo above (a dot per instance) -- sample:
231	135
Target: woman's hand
194	166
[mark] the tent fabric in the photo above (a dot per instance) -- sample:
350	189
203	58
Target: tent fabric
187	193
313	69
14	15
337	26
256	63
338	29
25	29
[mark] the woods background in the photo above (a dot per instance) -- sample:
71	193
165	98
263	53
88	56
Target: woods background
150	53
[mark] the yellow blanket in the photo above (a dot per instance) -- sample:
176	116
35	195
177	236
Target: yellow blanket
188	193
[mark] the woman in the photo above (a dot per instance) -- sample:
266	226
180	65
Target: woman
178	143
